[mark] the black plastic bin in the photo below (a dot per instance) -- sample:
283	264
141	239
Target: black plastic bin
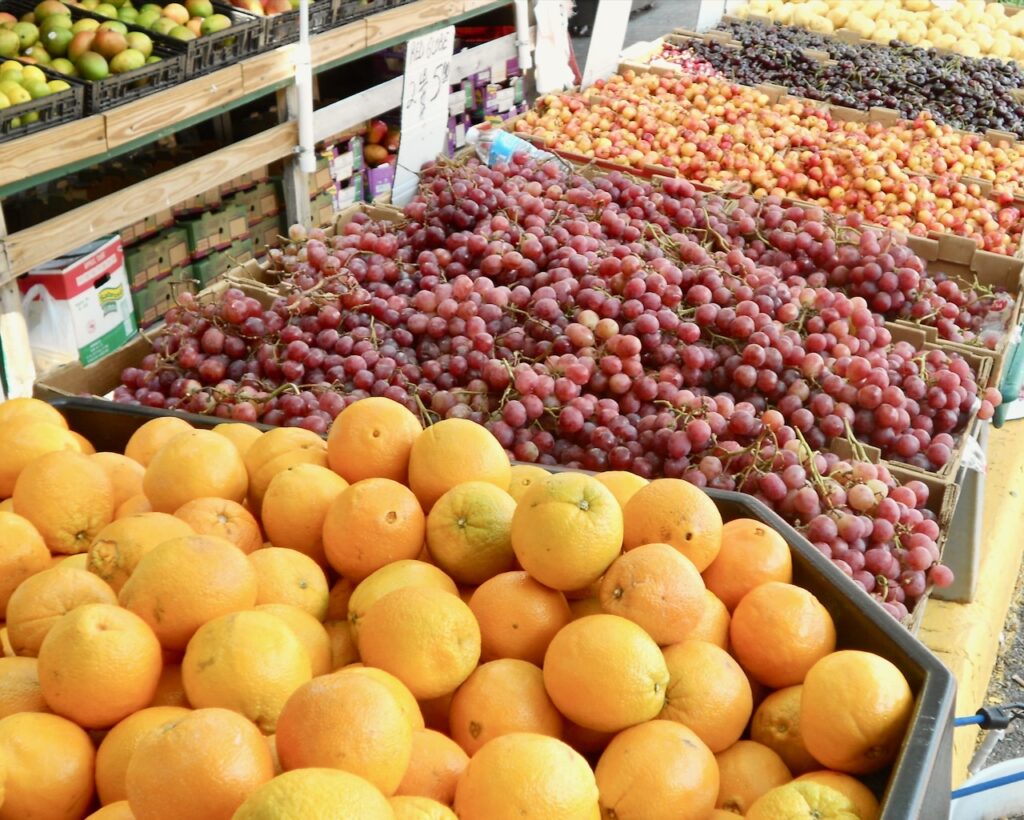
45	112
345	11
282	29
102	95
919	784
212	51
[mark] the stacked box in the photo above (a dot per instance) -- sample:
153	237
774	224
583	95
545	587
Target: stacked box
267	234
207	233
208	270
379	182
236	218
199	204
321	209
145	228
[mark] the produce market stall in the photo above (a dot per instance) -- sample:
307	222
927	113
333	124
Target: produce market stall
504	438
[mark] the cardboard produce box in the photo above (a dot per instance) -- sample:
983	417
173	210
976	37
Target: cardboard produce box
207	234
79	306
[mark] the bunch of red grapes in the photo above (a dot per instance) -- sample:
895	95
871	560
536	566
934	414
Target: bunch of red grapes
602	323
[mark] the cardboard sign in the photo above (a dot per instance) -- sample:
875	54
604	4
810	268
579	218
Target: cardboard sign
428	61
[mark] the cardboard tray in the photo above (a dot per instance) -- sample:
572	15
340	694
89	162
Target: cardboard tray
918	785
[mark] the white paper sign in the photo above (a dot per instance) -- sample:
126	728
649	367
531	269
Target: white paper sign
428	61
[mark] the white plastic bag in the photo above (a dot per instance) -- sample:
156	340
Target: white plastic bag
50	332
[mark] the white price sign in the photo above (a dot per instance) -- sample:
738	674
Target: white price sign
428	62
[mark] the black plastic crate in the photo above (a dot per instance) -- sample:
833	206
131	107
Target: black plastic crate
919	783
60	107
345	11
282	29
102	95
212	51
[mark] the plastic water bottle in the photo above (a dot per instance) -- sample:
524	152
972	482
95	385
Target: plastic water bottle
494	145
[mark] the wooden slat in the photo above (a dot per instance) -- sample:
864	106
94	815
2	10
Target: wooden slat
400	21
473	5
190	99
38	244
60	145
338	43
267	69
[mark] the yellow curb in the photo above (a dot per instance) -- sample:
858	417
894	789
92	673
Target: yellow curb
965	637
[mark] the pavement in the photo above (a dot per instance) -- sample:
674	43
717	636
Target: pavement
649	20
1007	684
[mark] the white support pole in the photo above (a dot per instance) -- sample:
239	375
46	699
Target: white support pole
304	92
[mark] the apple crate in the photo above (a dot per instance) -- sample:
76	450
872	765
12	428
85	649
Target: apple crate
35	115
102	95
283	28
918	783
344	11
242	39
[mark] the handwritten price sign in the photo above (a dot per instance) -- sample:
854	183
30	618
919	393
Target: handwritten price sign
428	61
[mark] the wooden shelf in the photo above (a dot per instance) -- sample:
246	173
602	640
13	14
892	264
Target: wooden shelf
66	147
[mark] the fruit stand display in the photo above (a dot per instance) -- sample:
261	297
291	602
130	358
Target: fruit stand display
614	474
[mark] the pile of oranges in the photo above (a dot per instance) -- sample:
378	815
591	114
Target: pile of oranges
396	622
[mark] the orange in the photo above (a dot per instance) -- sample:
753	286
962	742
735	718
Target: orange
80	561
342	643
656	587
225	519
295	506
451	452
260	480
84	445
803	800
196	464
707	692
524	775
567	530
713	625
518	617
747	770
425	637
116	750
469	532
624	485
315	794
19	687
778	631
499	698
854	711
752	554
604	672
289	577
243	436
67	497
7	505
861	796
309	631
776	724
24	441
372	523
410	708
674	512
151	436
170	689
181	584
405	573
420	808
23	553
114	811
582	607
657	771
348	722
49	763
524	476
372	438
44	598
250	662
124	473
98	664
280	441
13	411
338	598
202	766
118	547
133	506
587	742
436	764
